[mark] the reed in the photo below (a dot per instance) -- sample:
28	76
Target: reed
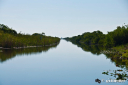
10	40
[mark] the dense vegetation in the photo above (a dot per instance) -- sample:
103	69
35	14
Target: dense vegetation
114	38
9	38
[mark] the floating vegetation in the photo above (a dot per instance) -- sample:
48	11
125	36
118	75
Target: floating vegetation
118	74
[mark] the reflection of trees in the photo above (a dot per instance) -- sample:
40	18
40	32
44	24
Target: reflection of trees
115	57
10	53
94	49
118	61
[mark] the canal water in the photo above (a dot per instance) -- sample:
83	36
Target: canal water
65	64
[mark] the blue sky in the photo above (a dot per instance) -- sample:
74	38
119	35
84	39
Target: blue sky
63	18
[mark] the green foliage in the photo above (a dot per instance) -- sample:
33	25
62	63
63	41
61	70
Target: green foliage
114	38
120	35
108	41
6	29
10	40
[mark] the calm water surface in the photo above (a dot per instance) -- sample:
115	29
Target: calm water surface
65	64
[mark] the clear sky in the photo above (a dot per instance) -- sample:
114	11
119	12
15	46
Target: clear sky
63	18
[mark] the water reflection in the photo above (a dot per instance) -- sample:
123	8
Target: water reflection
110	54
94	49
6	54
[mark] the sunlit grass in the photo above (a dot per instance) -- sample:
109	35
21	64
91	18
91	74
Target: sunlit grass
21	40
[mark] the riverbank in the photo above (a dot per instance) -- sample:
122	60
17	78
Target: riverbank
118	52
29	46
9	38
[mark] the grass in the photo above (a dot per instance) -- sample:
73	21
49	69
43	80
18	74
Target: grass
22	40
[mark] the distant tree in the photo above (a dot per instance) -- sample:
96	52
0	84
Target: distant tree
43	33
6	29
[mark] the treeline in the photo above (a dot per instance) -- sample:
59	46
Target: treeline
114	38
9	38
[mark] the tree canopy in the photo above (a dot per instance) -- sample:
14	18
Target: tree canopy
117	37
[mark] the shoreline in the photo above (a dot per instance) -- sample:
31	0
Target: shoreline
120	51
28	46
